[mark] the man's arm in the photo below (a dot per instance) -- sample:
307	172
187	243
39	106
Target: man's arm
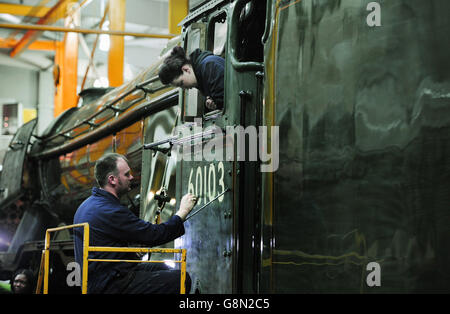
122	224
214	76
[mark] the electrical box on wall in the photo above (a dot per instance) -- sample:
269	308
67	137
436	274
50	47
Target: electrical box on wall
11	114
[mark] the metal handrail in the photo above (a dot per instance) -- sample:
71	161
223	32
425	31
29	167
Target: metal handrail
45	260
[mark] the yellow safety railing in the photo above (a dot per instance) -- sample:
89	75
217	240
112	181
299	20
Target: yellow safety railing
45	259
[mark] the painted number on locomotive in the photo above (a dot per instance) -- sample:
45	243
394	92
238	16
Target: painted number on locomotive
207	181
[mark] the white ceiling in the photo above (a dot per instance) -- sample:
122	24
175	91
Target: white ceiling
142	16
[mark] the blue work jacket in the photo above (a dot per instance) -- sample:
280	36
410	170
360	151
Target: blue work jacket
113	224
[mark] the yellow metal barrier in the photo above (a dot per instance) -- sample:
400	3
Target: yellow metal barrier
43	271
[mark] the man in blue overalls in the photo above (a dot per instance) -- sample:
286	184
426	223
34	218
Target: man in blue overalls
113	224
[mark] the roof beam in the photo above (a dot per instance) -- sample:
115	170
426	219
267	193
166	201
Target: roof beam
115	57
56	12
66	59
44	45
83	30
178	9
23	10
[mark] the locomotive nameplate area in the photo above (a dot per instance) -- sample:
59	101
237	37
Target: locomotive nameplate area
209	234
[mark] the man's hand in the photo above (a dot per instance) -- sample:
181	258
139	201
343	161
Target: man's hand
187	203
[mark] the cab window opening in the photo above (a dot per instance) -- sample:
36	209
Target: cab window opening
252	23
211	37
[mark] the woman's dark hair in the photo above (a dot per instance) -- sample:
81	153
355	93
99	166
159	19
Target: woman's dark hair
106	165
171	67
30	287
